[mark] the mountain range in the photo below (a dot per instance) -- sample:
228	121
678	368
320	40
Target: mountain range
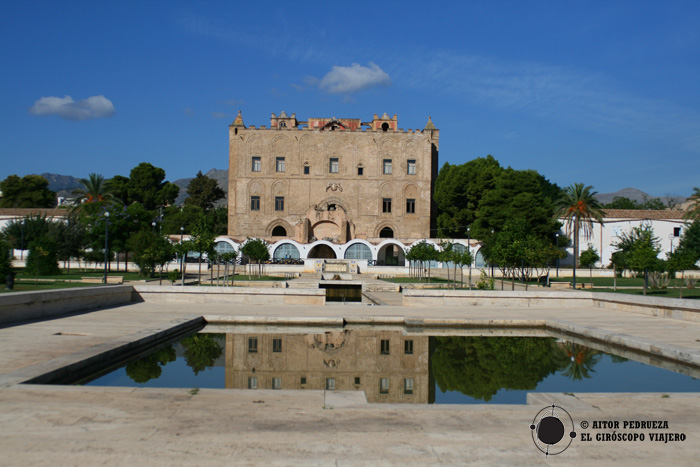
64	185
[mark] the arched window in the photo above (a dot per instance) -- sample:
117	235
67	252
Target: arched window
385	126
358	251
279	231
386	232
223	247
286	250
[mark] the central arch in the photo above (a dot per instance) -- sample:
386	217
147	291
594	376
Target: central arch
322	251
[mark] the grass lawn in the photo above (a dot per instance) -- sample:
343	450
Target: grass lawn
601	281
414	280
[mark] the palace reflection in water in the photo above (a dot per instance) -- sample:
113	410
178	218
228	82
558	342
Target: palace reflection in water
387	365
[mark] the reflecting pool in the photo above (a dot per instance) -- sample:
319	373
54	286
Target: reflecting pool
396	366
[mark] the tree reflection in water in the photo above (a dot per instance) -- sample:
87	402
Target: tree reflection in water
149	367
479	367
201	350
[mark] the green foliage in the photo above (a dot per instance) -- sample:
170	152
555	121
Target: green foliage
485	282
5	260
256	250
579	206
689	245
19	233
589	257
150	250
621	202
95	189
482	195
174	276
693	212
201	351
149	367
31	191
203	192
147	186
481	366
42	259
638	250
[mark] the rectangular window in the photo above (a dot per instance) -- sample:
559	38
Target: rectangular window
253	382
303	380
383	385
360	170
357	380
252	345
408	347
276	383
410	206
279	164
385	346
386	205
255	203
256	165
279	203
306	170
333	166
386	167
276	345
411	167
676	231
330	384
408	386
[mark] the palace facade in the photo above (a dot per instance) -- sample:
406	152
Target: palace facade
331	179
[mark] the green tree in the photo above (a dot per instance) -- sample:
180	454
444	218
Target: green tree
31	191
204	192
582	359
69	237
419	255
638	250
202	241
42	259
588	258
150	250
580	208
5	260
119	186
147	185
690	241
256	250
19	233
622	202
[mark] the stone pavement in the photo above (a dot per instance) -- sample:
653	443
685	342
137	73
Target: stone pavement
65	425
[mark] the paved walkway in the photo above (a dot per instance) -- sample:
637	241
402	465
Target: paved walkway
59	425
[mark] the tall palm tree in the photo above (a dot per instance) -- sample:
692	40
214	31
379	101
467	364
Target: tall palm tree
693	211
580	208
95	189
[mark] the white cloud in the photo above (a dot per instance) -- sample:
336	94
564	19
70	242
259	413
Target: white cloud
348	79
65	107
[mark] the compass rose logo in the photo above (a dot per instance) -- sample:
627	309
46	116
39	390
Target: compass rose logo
548	430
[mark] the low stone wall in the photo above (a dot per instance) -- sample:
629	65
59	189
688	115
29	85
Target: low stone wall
21	306
233	295
494	298
687	310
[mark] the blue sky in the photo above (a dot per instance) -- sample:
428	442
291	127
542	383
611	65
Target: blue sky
605	93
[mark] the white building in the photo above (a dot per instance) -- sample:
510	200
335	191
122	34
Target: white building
668	227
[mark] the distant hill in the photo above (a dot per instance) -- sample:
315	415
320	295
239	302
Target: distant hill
636	195
63	185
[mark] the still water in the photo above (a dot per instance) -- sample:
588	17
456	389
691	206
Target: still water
399	367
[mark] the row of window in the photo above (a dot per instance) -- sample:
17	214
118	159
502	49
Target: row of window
333	166
386	204
330	384
384	346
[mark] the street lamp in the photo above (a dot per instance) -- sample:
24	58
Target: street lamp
557	235
491	261
671	237
469	242
182	258
575	245
153	224
106	243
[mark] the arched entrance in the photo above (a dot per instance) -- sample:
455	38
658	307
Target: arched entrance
322	252
386	232
391	255
279	231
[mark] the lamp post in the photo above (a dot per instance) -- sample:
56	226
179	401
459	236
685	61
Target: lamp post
106	244
671	237
153	224
469	242
21	247
557	254
575	249
492	259
182	258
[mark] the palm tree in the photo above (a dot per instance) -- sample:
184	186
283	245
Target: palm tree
693	211
95	189
580	208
